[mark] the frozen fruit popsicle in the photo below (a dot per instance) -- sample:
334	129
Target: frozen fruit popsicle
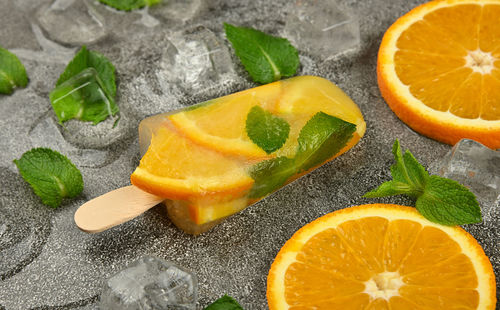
216	158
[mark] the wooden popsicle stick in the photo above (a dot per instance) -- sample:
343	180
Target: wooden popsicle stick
114	208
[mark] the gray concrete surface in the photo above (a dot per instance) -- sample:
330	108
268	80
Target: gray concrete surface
47	263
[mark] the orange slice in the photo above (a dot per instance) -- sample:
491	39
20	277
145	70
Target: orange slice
380	257
176	168
221	125
299	103
439	70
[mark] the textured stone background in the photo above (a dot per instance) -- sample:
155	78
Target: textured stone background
47	263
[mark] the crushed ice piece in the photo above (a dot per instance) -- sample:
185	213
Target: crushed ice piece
51	51
73	22
320	28
475	166
46	133
125	24
150	283
23	231
83	97
146	19
177	10
196	60
16	29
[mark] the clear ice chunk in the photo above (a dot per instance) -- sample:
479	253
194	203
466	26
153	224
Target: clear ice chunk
23	233
475	166
16	29
196	60
74	22
83	97
51	52
150	283
320	28
177	10
47	133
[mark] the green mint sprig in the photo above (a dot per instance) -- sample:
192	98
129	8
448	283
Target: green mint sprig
266	130
86	89
12	72
320	139
265	57
128	5
438	199
51	175
224	303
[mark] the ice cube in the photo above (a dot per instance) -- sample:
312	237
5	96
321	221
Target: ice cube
83	97
150	283
16	28
177	10
23	231
50	50
146	19
73	22
320	28
196	60
47	133
475	166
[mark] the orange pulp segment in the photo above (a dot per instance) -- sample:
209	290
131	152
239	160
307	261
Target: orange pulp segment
380	257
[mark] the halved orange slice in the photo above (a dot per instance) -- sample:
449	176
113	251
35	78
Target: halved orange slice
439	70
176	168
380	257
221	125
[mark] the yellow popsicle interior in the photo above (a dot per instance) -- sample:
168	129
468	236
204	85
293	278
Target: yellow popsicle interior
199	158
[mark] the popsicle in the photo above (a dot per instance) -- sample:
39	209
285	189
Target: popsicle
211	160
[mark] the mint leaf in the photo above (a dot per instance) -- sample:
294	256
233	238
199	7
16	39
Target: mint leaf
269	132
270	175
440	200
321	138
408	170
12	72
128	5
224	303
448	202
51	175
86	89
266	58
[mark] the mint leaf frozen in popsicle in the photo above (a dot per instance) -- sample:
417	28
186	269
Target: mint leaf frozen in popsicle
270	175
51	175
128	5
86	89
266	130
12	72
321	138
265	57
